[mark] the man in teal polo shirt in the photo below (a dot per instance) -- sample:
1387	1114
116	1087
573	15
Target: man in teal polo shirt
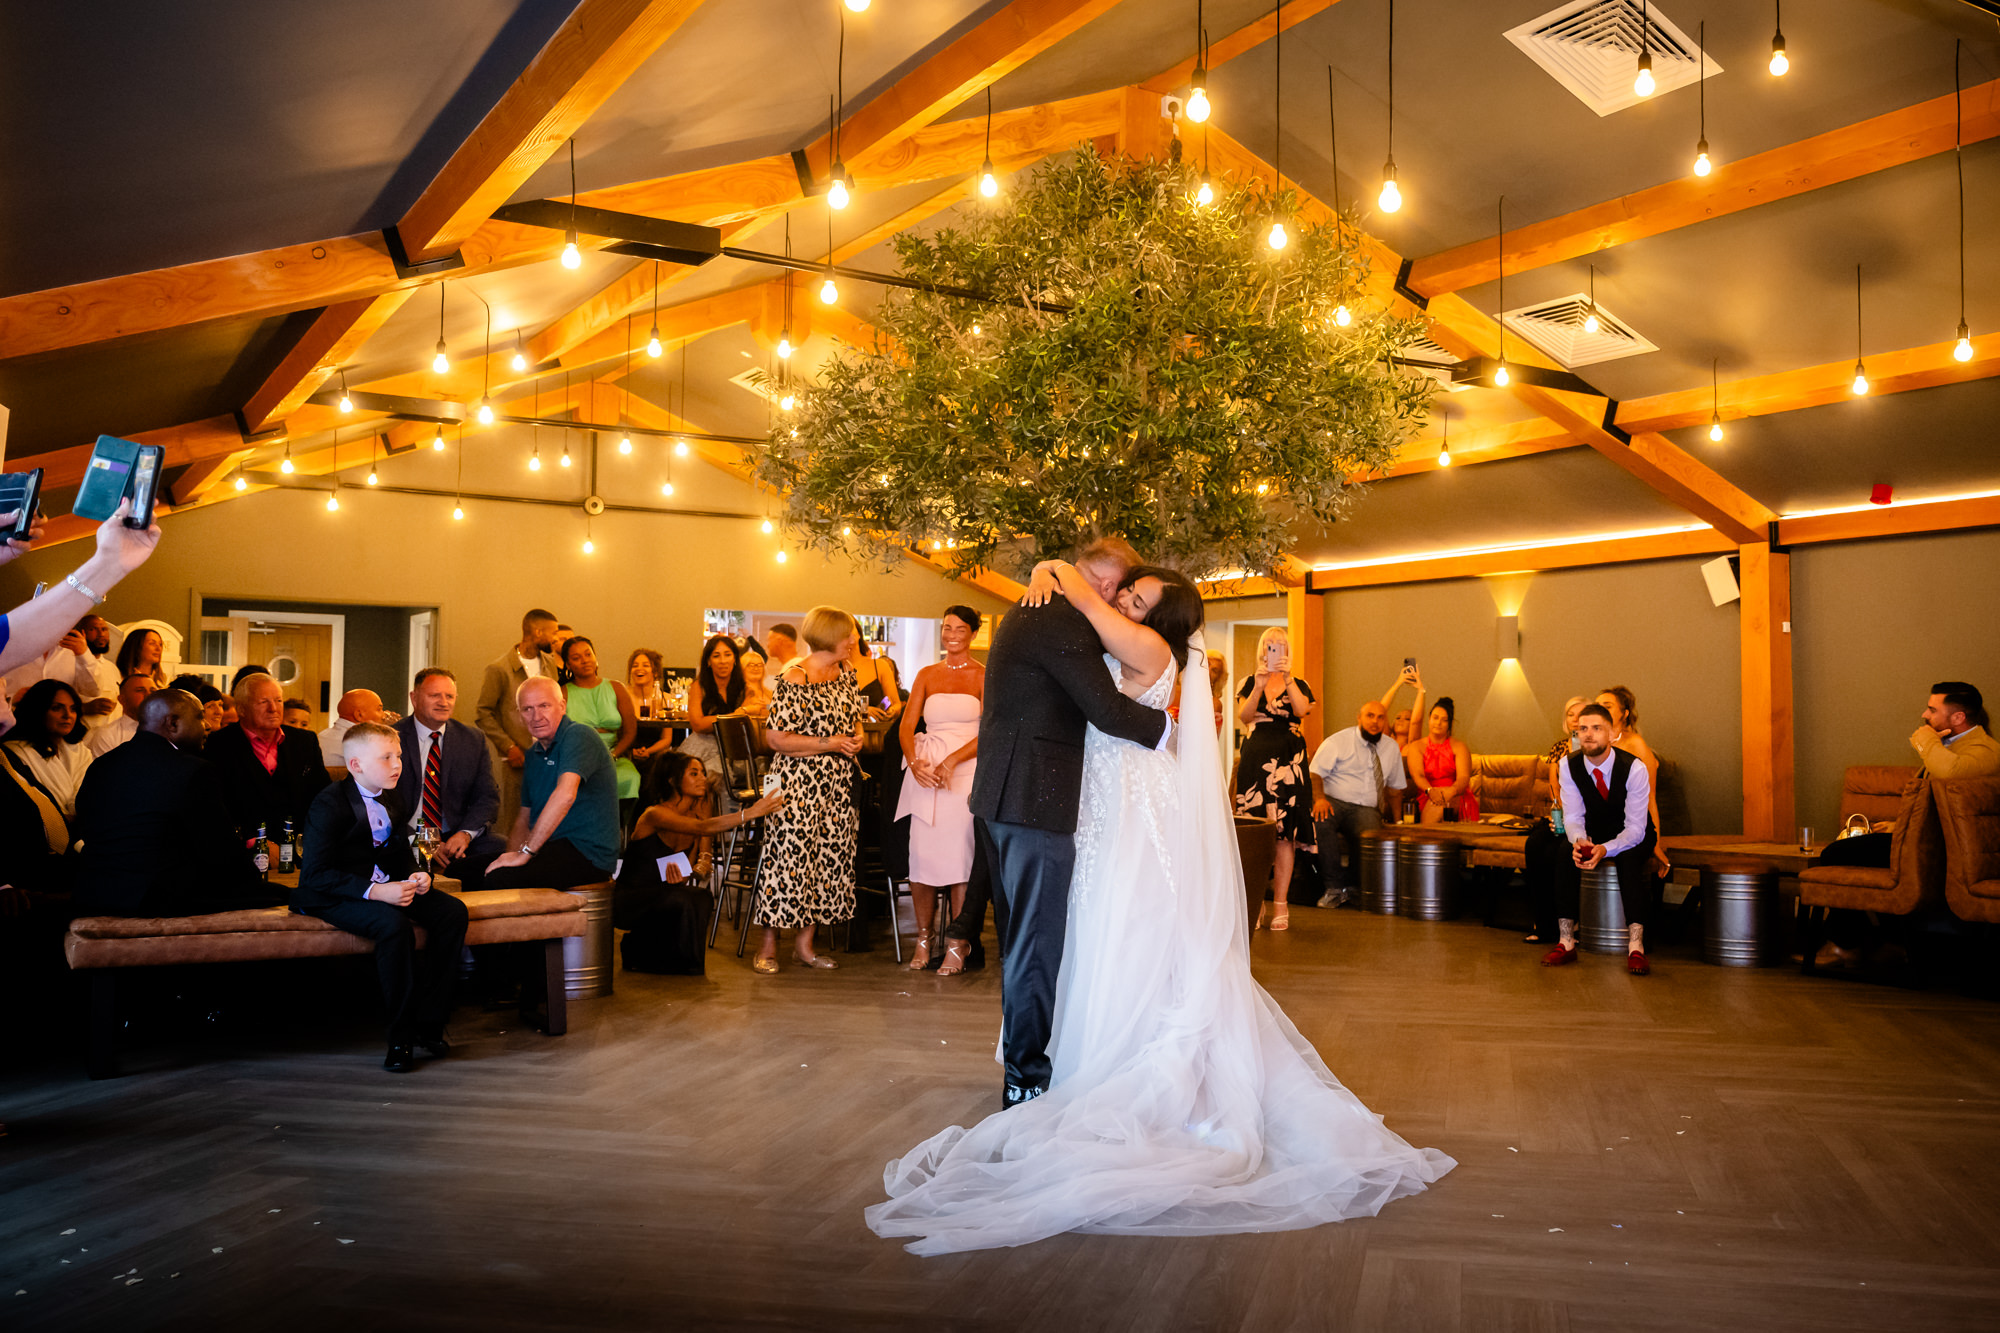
567	831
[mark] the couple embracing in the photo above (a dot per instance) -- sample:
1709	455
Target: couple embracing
1152	1087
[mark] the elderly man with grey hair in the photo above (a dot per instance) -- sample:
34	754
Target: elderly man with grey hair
566	833
270	772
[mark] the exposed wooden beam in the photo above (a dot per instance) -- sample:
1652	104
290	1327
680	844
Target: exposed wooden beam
980	577
202	476
330	341
1517	439
1891	520
598	47
1247	38
1885	141
1305	625
1770	811
678	323
1249	585
1422	568
631	292
195	442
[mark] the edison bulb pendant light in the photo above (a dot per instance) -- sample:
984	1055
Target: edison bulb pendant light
1962	349
241	484
1860	385
828	291
767	525
1343	316
1198	106
1642	82
1780	62
458	512
625	445
373	480
346	403
836	190
680	448
565	456
571	256
1500	375
535	460
520	361
1391	198
1701	162
653	348
286	466
332	504
1204	194
485	411
781	557
666	488
1444	454
989	184
1715	429
1591	323
785	347
788	402
857	6
441	362
589	546
1279	237
437	441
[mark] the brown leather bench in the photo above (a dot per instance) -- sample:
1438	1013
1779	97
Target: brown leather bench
1969	811
101	945
1914	877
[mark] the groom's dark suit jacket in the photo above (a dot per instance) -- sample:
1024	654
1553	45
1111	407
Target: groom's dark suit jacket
1045	681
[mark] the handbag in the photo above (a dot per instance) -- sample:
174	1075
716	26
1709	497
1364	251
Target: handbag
1856	825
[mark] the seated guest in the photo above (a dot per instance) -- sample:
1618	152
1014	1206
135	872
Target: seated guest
781	643
605	707
643	673
142	651
448	780
1440	767
124	724
756	687
298	713
354	706
46	746
1605	794
270	772
662	908
1623	706
1951	742
1356	770
360	875
1550	870
157	837
34	835
82	659
719	690
566	833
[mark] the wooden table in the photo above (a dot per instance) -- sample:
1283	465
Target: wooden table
1739	892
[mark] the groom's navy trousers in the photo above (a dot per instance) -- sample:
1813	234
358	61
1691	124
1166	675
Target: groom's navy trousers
1031	874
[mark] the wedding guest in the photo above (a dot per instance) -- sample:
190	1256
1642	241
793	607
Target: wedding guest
1358	769
1406	796
270	772
124	724
298	713
719	689
1624	708
36	839
566	832
225	710
875	678
605	707
937	782
782	643
46	746
447	781
1605	793
142	651
1550	871
643	673
360	875
82	659
756	689
354	706
1270	773
29	630
806	876
498	717
156	833
1218	676
661	906
1440	766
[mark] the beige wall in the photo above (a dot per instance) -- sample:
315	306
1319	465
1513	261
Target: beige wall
646	585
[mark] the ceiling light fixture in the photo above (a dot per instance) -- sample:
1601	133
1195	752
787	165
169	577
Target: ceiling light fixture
1780	62
1591	323
989	184
1198	107
520	361
1342	316
1278	238
441	363
1444	446
767	525
437	441
653	348
1860	385
565	452
346	403
858	6
1701	163
535	458
1500	375
458	510
1962	349
1391	198
839	187
241	483
680	448
1715	400
1642	82
1204	193
486	367
285	464
372	479
571	256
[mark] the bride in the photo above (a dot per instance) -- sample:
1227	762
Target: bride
1183	1101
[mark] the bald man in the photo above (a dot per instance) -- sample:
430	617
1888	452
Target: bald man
158	838
354	706
566	833
1357	769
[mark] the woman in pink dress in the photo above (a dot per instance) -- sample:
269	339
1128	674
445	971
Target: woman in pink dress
937	781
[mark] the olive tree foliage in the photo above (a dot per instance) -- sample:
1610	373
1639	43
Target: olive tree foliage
1190	390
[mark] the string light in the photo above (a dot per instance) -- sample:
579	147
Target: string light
976	330
437	441
680	448
1860	385
285	466
1500	376
520	361
1198	105
989	184
1444	446
1701	163
458	511
1962	349
441	363
1391	198
781	557
1642	83
829	291
485	411
1780	62
1715	401
1591	323
625	444
571	256
346	403
767	525
535	459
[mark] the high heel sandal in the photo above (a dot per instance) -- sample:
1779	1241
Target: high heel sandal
920	953
955	954
1281	917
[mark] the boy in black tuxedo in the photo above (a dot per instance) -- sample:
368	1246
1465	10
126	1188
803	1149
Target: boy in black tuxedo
361	876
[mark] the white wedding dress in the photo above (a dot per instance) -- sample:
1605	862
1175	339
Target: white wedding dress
1183	1101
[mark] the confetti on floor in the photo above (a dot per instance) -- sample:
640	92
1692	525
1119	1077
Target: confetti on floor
70	1232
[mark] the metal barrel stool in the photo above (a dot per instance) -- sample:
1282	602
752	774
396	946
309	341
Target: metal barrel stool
1602	929
587	957
1738	916
1378	872
1427	878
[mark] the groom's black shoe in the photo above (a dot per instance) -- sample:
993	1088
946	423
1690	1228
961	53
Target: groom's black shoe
1013	1094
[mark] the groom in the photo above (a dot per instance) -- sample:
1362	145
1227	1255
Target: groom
1045	680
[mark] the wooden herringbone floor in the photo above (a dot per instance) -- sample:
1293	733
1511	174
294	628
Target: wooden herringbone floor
1704	1148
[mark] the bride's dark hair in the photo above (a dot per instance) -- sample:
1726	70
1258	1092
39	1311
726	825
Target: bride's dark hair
1178	613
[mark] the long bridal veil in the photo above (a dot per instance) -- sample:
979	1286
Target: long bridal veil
1183	1101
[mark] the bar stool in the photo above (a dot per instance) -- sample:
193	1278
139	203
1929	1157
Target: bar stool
1738	914
1378	872
1427	871
1602	928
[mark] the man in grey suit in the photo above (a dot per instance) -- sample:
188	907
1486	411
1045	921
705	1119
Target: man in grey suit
498	716
447	779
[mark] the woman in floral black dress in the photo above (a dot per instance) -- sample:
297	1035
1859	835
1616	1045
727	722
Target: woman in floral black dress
806	876
1271	781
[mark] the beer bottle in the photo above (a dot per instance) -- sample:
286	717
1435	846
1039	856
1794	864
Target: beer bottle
260	853
287	854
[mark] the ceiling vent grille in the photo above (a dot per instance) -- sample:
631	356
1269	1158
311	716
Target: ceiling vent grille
1427	358
1556	328
1591	47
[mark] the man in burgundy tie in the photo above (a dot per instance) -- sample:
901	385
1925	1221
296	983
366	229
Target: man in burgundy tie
448	779
1604	795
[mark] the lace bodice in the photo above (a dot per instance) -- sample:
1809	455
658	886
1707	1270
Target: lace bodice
1159	692
1123	783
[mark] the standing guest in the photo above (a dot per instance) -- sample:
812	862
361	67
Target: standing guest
718	691
937	782
124	725
605	707
875	678
46	746
1358	770
1271	769
806	876
1623	706
447	781
1218	672
497	715
361	876
1604	804
298	713
756	689
82	659
662	908
566	832
1404	797
270	772
142	651
156	833
354	706
782	641
1550	870
1441	767
207	696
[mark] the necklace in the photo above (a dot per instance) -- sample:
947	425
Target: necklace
960	666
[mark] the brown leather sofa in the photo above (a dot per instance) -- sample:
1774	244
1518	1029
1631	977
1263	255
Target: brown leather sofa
1915	874
1874	791
1511	784
1969	812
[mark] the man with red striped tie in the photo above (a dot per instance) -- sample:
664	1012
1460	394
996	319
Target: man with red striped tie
448	780
1604	798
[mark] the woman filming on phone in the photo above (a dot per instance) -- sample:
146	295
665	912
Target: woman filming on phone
1271	774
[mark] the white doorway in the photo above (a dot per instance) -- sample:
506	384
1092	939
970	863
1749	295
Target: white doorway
305	651
423	644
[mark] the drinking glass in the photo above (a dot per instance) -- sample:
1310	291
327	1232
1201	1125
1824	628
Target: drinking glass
1805	839
426	847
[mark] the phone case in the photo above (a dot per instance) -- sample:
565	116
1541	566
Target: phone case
105	478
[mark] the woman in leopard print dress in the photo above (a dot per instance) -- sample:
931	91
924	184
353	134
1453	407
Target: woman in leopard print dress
806	876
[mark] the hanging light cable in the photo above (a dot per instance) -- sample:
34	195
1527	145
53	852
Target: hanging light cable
1962	349
1391	197
458	499
989	184
1591	323
571	256
1278	237
1500	375
373	479
785	338
333	495
1642	82
1715	400
520	361
681	446
1342	316
1701	163
437	440
829	291
535	431
1780	62
1860	385
838	186
441	363
1198	106
285	464
1444	448
486	368
653	338
1204	193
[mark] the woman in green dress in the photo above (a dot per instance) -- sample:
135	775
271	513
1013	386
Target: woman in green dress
605	706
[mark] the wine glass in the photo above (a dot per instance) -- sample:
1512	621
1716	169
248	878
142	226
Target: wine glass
426	843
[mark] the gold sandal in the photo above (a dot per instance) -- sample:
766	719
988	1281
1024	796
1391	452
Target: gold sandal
956	952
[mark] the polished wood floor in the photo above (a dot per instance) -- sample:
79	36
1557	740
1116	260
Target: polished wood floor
1700	1149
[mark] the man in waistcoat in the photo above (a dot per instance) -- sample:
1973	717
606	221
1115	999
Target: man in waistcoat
1604	796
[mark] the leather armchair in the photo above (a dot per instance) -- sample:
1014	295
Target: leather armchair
1969	811
1914	877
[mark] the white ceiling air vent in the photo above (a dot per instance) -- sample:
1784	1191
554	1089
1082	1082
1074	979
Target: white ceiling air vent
1557	328
768	390
1427	358
1591	47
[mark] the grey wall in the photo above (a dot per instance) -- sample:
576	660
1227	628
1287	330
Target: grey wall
1874	625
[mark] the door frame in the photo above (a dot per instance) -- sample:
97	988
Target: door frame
337	669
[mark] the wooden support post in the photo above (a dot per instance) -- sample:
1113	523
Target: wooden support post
1305	622
1770	810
